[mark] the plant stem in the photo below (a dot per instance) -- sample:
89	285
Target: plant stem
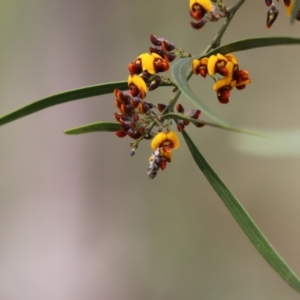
217	39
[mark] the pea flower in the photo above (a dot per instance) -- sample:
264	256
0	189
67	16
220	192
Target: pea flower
217	64
151	63
223	88
200	66
137	86
198	8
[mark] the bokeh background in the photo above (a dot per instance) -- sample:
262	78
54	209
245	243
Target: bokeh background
79	219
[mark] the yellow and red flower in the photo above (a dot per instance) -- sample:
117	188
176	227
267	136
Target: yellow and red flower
198	8
217	64
200	66
223	87
165	139
152	63
241	78
137	86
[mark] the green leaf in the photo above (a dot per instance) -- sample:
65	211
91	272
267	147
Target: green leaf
243	219
295	11
94	127
179	74
254	43
85	92
233	129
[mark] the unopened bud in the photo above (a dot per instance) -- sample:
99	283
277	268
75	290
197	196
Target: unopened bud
143	107
136	117
154	40
157	51
161	107
117	117
199	125
125	109
135	102
155	83
120	133
132	151
142	129
271	16
179	108
180	126
198	25
134	134
167	46
169	56
194	113
269	2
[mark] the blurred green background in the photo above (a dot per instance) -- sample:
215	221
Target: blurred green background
79	219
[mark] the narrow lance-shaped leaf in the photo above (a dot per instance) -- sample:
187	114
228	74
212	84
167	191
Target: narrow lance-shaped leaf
233	129
295	10
255	43
94	127
81	93
243	219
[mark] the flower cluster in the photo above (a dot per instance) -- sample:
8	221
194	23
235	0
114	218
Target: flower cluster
273	11
227	66
135	114
138	118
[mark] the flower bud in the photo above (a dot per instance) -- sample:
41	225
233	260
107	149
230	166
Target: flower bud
120	133
180	108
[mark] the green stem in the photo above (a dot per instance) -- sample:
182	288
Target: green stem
217	39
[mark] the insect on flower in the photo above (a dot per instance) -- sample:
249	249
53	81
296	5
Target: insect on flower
158	160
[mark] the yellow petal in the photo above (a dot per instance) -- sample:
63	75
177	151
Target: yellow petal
232	58
289	9
211	65
206	4
221	57
138	82
196	63
222	83
147	62
229	66
158	140
244	81
204	60
162	139
192	2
